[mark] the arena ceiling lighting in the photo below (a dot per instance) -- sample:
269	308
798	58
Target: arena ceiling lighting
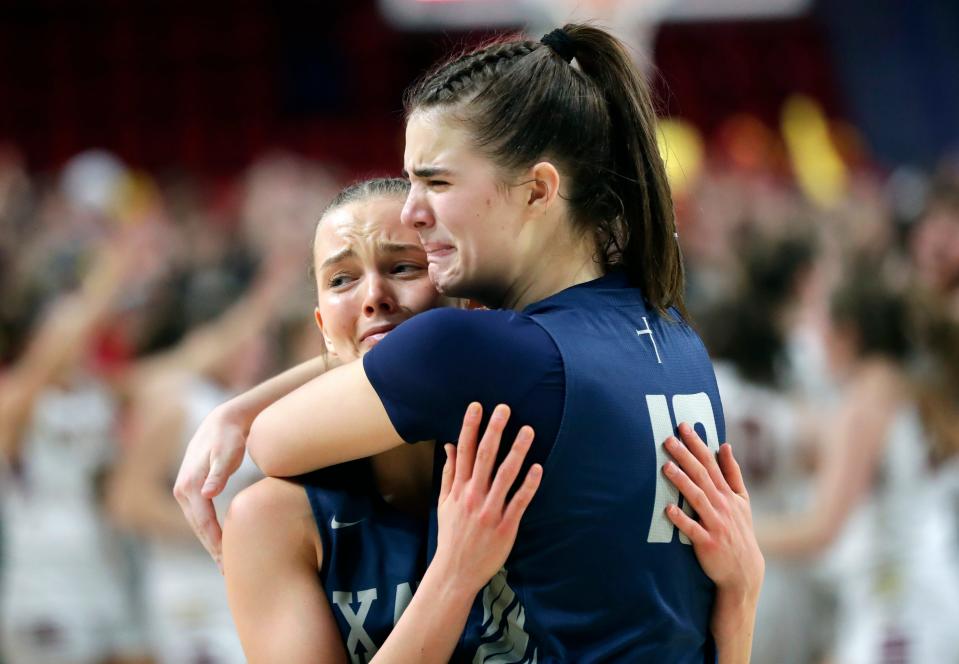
472	14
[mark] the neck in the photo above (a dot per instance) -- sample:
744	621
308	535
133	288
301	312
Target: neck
551	272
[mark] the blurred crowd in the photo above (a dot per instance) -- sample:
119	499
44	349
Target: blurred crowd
834	329
131	304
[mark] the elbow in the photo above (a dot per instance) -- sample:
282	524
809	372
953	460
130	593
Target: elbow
265	455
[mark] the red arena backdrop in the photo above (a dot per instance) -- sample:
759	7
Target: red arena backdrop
209	86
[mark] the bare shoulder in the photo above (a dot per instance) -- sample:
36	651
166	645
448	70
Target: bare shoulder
277	511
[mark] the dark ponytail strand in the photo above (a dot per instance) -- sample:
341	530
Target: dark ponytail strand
644	238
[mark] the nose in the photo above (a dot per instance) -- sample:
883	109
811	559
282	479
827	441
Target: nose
416	214
379	297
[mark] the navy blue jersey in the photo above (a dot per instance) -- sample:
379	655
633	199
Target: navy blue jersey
373	554
598	572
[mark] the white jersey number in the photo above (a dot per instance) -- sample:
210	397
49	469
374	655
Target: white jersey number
690	408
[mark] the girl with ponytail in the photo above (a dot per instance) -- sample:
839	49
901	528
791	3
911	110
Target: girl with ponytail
536	188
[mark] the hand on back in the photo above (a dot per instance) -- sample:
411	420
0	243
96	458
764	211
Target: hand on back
723	536
477	524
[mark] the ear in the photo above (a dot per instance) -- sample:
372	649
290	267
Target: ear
326	339
543	186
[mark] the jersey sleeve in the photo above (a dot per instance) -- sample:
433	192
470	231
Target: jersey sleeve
428	370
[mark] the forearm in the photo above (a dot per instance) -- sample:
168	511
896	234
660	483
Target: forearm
432	624
14	414
66	332
850	461
732	625
148	511
330	419
210	344
793	536
105	281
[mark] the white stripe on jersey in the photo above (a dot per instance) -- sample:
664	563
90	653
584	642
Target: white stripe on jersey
505	621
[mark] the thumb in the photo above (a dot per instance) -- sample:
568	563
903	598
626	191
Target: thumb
220	471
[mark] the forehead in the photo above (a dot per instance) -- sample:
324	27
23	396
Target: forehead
432	139
363	222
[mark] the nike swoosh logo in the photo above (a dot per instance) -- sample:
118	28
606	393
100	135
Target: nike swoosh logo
335	525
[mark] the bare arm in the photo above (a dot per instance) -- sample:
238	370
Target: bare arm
59	340
477	529
849	460
333	418
209	344
138	494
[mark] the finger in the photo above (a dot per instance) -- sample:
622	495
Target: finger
702	452
448	471
521	499
489	447
693	494
691	465
731	470
221	467
508	471
687	525
185	496
466	447
206	526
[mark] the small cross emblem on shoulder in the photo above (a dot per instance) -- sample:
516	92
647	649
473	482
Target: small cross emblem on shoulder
651	338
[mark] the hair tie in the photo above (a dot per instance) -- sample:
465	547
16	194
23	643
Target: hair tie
560	41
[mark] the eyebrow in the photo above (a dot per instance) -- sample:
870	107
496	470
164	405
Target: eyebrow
344	253
390	247
399	247
427	172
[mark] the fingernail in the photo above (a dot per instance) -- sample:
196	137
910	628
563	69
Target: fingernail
501	412
474	410
670	442
683	428
669	468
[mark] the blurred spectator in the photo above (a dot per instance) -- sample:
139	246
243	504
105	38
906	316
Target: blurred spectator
63	593
894	574
188	616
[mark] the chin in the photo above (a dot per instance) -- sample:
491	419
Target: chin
443	282
452	284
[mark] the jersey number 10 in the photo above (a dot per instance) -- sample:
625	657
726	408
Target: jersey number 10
690	408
